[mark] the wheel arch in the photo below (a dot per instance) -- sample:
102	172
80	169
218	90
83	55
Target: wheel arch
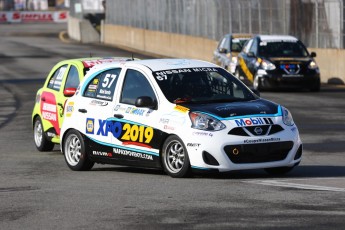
33	120
162	144
62	138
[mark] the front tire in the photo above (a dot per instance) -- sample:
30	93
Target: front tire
40	138
73	148
175	158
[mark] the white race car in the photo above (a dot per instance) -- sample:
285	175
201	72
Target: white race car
177	114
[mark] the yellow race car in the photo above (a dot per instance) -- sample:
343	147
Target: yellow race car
61	83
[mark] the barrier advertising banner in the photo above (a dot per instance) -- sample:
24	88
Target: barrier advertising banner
33	16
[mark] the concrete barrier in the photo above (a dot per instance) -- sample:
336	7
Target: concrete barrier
332	65
161	44
81	30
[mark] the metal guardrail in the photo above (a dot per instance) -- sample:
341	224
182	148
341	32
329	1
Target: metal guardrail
318	23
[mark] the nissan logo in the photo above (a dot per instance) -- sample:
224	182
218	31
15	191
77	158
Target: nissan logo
258	130
235	151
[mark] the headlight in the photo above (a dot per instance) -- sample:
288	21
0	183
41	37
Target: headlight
312	65
234	60
287	117
266	65
205	122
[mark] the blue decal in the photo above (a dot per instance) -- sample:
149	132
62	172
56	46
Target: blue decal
90	125
126	148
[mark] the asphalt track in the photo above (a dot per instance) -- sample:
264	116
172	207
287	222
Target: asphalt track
38	191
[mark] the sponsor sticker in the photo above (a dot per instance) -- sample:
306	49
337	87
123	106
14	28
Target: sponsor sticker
132	154
261	140
69	109
253	121
90	125
98	103
102	153
181	108
129	134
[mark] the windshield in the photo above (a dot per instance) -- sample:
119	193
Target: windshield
282	49
201	85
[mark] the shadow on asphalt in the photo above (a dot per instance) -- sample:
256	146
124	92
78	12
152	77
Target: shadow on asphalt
302	171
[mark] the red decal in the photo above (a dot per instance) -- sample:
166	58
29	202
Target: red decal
63	15
49	110
136	143
16	15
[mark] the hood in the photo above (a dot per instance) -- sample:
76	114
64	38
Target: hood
234	109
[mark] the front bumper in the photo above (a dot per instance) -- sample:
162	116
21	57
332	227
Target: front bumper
223	152
273	80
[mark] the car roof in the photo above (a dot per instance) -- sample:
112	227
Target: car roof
173	63
157	64
268	38
89	62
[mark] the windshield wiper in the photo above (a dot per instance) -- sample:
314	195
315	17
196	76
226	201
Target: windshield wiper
182	100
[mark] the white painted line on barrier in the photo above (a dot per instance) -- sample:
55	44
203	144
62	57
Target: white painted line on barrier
295	185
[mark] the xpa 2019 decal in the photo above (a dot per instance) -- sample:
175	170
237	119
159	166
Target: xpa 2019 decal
127	132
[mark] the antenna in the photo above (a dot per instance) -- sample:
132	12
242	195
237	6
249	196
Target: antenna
132	57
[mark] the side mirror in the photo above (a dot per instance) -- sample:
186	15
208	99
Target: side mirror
69	92
145	101
313	54
222	50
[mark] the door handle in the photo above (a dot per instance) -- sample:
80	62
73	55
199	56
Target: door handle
120	116
82	110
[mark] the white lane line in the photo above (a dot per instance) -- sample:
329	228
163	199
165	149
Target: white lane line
295	185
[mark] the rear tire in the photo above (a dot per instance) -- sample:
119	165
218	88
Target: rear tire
73	148
278	171
41	141
175	158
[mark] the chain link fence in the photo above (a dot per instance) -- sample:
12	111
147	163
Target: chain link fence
318	23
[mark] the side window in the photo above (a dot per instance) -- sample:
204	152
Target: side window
247	46
225	44
56	79
254	47
72	78
103	85
134	86
221	43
